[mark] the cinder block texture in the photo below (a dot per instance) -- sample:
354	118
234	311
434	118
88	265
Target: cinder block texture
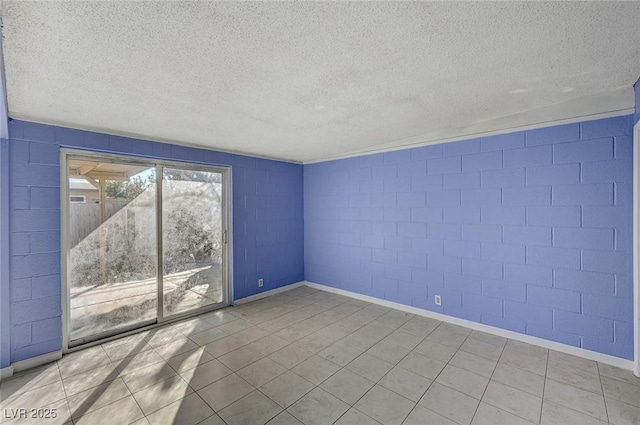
267	221
527	231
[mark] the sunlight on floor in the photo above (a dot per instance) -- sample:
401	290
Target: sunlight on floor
311	357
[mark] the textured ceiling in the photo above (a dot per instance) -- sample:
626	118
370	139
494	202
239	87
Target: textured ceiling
307	81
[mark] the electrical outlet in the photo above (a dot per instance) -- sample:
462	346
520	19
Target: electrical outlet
438	300
260	283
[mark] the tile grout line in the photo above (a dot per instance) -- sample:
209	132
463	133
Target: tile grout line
489	380
124	382
436	377
344	367
64	390
511	386
336	372
582	389
381	378
291	343
604	397
102	383
544	387
216	359
314	354
165	362
433	381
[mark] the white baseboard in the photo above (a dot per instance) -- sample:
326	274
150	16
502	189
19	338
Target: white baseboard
6	372
267	293
36	361
579	352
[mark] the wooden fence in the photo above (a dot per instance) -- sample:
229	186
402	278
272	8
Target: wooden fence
85	218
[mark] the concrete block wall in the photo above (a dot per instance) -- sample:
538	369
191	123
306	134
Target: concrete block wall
5	297
267	223
527	231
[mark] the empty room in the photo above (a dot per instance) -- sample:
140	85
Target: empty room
317	213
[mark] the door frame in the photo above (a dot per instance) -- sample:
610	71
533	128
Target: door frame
65	153
225	210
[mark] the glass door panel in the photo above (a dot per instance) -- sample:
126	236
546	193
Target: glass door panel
112	270
192	240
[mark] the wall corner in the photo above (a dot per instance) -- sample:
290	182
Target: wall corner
636	88
5	303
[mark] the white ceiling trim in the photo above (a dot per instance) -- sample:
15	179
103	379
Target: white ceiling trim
597	116
601	115
142	137
545	117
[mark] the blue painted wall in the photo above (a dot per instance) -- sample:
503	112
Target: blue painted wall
5	300
267	223
528	231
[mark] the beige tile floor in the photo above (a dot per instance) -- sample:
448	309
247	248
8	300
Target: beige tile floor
310	357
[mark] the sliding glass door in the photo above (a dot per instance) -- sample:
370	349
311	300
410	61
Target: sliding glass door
192	239
112	238
125	221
